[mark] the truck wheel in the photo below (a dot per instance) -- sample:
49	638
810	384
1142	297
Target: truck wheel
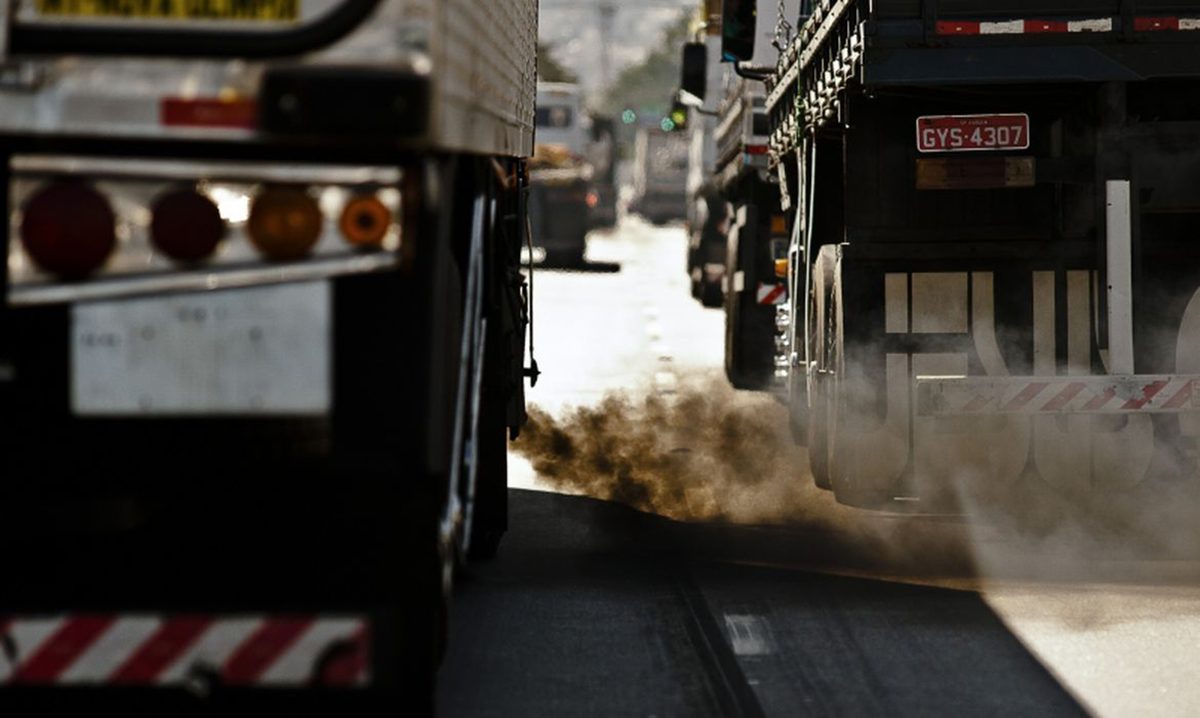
820	333
489	519
711	295
851	486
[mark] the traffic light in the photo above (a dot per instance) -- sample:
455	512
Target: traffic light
678	115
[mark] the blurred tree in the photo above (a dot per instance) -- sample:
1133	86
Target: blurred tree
646	88
549	69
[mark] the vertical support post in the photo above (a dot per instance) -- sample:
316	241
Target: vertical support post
1119	260
6	349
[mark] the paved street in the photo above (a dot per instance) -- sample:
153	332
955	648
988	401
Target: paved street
740	590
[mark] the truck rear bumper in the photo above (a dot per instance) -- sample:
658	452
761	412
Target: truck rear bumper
1049	395
185	650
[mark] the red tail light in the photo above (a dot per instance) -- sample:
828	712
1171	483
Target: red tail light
68	229
187	226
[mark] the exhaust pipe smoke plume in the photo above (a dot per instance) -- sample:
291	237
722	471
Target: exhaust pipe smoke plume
711	454
704	454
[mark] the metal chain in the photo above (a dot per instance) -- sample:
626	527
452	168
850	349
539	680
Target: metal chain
782	27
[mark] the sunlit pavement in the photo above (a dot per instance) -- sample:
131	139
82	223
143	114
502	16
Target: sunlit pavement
635	330
1120	636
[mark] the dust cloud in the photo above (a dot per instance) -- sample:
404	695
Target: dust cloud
723	458
707	453
723	464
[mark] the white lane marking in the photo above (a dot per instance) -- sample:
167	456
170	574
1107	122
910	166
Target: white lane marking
749	635
110	651
27	636
217	644
654	330
666	382
296	665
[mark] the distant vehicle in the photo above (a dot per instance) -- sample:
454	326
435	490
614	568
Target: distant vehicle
261	346
734	267
707	210
602	192
660	175
560	175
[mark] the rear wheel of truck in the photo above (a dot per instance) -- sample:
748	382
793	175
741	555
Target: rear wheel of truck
820	317
489	517
749	326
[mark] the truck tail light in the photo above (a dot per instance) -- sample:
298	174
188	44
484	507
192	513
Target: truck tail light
186	225
68	229
365	221
285	223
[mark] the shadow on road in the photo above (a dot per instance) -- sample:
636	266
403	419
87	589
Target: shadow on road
591	609
585	267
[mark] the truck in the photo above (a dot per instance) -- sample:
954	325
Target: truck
660	165
602	155
756	239
262	345
739	261
707	220
560	175
989	207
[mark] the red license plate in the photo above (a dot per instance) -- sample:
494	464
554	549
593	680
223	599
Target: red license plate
972	133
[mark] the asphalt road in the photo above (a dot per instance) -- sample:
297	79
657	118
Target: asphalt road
595	609
738	589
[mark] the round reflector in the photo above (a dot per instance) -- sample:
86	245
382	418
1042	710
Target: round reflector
284	223
68	229
365	221
187	226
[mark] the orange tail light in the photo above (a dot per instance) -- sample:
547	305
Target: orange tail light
284	223
365	221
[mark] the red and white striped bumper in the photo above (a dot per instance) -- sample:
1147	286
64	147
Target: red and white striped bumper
956	396
281	651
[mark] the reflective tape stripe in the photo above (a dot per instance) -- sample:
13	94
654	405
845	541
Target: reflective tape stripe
161	649
114	646
151	649
262	649
60	650
24	638
211	650
955	394
1034	26
297	664
771	293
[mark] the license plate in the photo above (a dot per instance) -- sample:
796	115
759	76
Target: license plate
972	133
235	10
251	351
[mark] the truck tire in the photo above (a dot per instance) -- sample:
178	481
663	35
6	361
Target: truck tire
749	326
851	487
489	518
711	295
820	330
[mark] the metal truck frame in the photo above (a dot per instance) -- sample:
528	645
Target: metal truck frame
201	543
1016	316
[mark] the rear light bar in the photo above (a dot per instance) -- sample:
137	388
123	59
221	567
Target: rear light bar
1032	26
113	228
